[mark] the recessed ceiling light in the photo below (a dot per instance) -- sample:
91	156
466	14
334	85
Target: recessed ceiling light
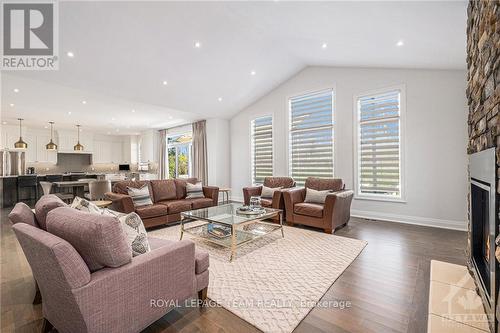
70	54
164	83
169	117
324	45
113	118
197	44
11	105
133	111
219	99
45	127
69	112
84	102
253	73
400	43
16	90
4	122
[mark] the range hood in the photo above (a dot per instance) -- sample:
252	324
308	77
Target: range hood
74	152
74	158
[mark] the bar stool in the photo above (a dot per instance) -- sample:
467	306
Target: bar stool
66	197
46	187
27	182
97	189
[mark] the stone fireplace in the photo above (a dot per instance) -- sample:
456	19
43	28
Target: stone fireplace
483	229
483	94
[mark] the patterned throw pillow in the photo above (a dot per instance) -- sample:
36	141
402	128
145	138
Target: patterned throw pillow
194	190
85	206
268	192
313	196
135	230
140	196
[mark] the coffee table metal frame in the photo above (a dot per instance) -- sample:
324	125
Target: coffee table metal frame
241	233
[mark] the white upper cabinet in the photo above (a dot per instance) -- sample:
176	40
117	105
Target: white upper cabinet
69	138
36	140
105	149
148	143
10	134
108	149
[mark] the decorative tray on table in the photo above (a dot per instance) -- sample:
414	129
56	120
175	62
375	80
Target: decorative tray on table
246	210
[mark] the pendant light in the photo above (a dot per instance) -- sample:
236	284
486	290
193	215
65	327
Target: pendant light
20	143
51	145
78	146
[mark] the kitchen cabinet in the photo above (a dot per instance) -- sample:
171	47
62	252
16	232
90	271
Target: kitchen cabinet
116	152
10	134
68	139
102	152
41	152
36	151
105	149
106	152
130	149
148	145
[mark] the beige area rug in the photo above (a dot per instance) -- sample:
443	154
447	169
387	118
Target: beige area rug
274	282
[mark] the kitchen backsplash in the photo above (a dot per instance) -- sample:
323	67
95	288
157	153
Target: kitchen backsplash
80	163
43	168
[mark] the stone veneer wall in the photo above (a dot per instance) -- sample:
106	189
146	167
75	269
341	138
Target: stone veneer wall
483	87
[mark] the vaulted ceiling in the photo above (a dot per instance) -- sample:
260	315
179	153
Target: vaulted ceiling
124	51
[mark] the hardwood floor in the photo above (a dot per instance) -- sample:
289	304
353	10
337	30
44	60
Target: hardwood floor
387	285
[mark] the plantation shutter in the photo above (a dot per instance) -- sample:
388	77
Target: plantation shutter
311	136
262	149
379	144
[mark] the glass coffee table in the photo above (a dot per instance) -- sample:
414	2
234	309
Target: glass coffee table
239	228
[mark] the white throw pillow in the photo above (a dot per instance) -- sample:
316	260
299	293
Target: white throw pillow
140	196
134	228
194	190
85	206
313	196
268	192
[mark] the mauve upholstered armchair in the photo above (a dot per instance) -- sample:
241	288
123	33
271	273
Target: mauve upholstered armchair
123	299
334	213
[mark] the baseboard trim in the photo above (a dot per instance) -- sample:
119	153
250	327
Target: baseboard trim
416	220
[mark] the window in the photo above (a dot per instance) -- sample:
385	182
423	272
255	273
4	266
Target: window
311	136
378	173
262	149
179	155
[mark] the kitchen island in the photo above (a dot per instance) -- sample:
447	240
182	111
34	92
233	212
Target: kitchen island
9	184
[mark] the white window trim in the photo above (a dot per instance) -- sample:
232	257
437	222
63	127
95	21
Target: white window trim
402	144
251	143
175	145
288	125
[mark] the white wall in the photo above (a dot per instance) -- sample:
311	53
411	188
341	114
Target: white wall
218	152
436	139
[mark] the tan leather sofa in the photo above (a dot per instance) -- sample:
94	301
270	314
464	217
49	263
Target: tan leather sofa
168	196
277	199
335	212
